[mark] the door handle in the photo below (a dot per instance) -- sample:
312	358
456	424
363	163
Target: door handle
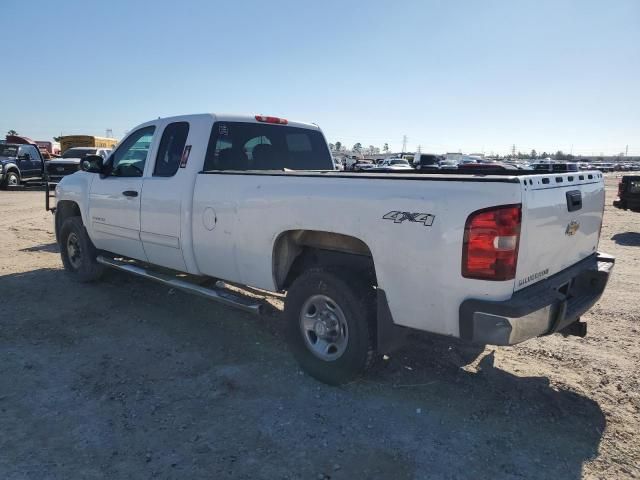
130	193
574	200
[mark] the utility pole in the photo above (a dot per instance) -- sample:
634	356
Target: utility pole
109	133
404	143
626	151
513	150
419	149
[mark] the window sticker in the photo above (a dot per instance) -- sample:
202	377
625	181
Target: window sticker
185	156
223	130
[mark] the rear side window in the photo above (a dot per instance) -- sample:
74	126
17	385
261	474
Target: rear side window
256	146
171	147
35	153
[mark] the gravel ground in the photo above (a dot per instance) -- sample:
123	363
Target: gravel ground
129	379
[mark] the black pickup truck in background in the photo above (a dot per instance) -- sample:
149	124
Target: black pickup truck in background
20	163
628	193
70	161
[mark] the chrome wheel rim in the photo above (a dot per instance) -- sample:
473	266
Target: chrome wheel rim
324	327
74	252
12	181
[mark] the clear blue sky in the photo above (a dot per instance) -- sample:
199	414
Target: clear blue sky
451	75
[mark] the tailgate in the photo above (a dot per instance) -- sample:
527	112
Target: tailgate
561	220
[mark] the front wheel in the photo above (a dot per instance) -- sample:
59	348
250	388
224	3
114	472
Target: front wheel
329	325
11	179
77	251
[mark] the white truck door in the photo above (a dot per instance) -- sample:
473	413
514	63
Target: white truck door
163	190
114	199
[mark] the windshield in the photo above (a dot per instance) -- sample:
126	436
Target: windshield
399	162
78	152
8	150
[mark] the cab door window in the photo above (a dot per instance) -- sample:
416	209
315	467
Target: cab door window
171	149
23	153
130	157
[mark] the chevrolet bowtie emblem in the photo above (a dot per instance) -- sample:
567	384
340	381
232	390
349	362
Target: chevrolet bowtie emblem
572	228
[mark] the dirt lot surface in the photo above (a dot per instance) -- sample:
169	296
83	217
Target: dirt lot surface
129	379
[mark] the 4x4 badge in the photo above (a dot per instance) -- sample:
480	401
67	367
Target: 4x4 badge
398	217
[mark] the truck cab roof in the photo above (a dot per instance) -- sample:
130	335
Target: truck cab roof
229	117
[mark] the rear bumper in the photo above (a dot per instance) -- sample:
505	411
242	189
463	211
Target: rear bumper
544	308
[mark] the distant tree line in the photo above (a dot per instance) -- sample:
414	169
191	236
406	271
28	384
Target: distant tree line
533	154
357	147
559	155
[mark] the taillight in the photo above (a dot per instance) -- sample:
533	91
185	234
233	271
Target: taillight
265	119
491	239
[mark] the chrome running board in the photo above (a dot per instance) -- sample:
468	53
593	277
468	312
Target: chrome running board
219	295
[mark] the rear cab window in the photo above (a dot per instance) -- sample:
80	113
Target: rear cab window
246	146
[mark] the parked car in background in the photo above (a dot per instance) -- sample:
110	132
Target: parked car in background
350	161
628	193
426	161
486	168
338	164
70	161
20	163
392	164
556	167
604	167
448	165
362	165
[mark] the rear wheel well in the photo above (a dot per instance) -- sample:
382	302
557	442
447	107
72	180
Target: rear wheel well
64	210
296	251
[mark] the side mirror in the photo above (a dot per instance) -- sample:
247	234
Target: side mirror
92	164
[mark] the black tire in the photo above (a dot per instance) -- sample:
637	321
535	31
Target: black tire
79	258
11	179
355	302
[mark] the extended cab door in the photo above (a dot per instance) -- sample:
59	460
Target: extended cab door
167	190
114	198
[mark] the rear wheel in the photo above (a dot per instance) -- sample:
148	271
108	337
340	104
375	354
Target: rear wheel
11	179
77	251
329	325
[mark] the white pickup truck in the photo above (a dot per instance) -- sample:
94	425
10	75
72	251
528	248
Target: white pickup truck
363	258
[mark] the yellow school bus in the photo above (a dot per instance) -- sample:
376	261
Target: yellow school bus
71	141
